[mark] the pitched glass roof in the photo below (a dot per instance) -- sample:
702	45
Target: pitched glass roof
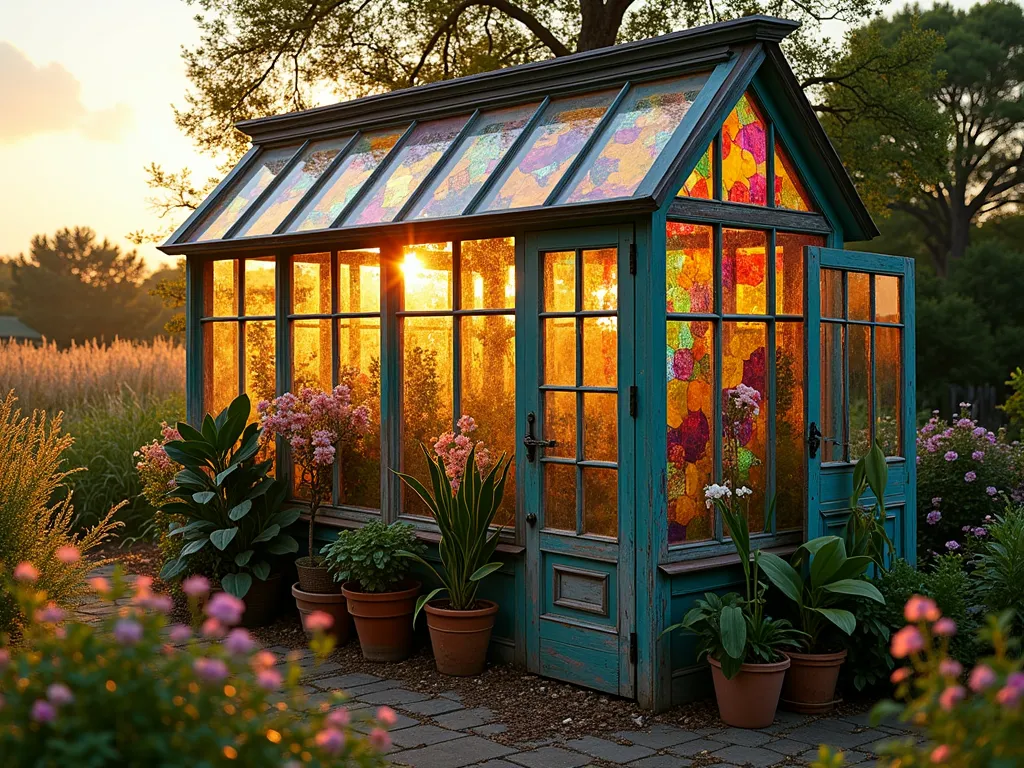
583	148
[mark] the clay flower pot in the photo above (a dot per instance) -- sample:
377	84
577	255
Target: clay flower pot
262	601
333	604
314	577
810	685
460	638
383	620
750	699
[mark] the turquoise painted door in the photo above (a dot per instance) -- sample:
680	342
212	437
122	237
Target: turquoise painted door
860	367
578	435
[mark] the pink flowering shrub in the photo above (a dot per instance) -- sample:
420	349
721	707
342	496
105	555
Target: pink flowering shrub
135	692
454	451
963	473
156	469
314	423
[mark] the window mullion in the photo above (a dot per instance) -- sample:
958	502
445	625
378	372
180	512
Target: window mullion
716	385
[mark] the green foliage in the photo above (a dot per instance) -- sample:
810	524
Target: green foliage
171	292
86	698
999	565
1014	405
464	516
231	505
864	533
370	555
36	512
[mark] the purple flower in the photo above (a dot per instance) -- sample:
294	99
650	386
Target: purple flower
979	532
979	432
970	477
952	546
936	500
59	694
195	586
933	517
158	603
917	460
239	642
127	632
991	490
978	455
210	670
330	740
225	608
268	679
950	456
180	633
43	711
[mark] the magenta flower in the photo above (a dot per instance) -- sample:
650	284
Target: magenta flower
970	477
43	711
1016	680
952	696
339	718
180	633
26	572
225	608
127	632
196	586
50	614
210	670
945	627
978	455
330	740
59	694
981	677
950	668
933	517
239	642
950	456
906	642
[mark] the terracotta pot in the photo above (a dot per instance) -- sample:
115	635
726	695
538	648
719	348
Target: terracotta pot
314	577
810	685
334	605
262	601
460	638
383	620
750	699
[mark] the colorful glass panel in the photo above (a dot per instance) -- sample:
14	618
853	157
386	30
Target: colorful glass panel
700	182
690	268
300	178
638	132
789	270
789	192
744	272
406	171
744	361
548	151
745	154
790	447
232	205
465	172
346	180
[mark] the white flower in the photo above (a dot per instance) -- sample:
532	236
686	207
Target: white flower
714	491
743	491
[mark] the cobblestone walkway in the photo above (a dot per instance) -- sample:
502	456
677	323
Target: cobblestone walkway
440	732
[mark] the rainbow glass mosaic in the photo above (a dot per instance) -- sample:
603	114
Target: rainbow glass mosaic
789	192
745	154
702	178
690	268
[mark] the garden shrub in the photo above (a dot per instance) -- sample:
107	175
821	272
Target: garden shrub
370	555
120	694
963	470
36	511
999	564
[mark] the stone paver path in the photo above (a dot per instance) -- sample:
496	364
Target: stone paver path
439	732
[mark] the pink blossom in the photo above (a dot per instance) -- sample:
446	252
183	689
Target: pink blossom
68	554
210	670
339	718
991	490
239	642
933	517
127	632
319	621
386	716
920	608
379	739
952	696
157	603
100	585
970	477
1008	696
213	628
950	456
263	660
906	642
180	633
59	694
941	753
268	679
330	740
981	677
25	571
43	711
225	608
950	668
196	586
50	614
945	627
900	674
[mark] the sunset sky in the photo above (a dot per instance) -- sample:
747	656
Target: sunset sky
86	89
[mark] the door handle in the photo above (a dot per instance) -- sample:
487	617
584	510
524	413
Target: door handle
813	440
531	442
531	518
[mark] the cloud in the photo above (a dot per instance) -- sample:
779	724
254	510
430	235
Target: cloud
44	99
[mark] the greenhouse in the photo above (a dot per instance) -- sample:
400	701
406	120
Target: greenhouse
585	254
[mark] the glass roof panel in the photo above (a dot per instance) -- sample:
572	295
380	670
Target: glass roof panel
311	166
346	180
234	201
406	171
548	151
639	130
466	171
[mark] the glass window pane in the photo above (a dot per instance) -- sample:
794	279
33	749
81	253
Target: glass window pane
548	151
888	390
833	393
220	366
359	370
744	272
220	288
600	352
699	182
359	281
260	287
560	281
789	271
790	447
789	192
489	391
406	171
560	496
691	454
601	502
690	268
600	279
234	201
427	274
294	186
427	394
311	284
600	427
488	273
832	293
466	171
560	351
346	180
638	132
745	445
858	291
859	382
887	299
260	362
560	424
745	154
311	355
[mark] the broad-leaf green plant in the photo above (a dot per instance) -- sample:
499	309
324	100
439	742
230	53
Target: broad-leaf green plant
864	533
370	555
231	504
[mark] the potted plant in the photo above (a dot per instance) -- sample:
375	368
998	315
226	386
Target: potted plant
230	507
380	597
314	423
466	493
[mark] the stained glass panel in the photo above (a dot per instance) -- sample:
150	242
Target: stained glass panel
744	272
700	182
690	412
297	183
600	279
790	448
406	170
560	281
745	154
638	132
488	273
234	203
789	192
858	293
744	361
346	180
690	268
548	151
465	172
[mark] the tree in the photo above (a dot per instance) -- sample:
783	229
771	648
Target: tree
169	287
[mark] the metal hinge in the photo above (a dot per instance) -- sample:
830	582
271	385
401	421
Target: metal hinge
633	395
633	647
632	258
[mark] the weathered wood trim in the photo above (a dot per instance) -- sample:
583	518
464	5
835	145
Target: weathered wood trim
743	215
719	561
